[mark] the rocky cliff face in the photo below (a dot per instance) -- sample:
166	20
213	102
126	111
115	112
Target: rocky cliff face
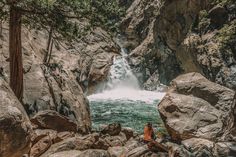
74	69
211	43
167	38
146	56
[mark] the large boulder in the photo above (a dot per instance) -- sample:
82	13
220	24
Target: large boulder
15	126
68	97
80	143
197	107
43	139
112	129
49	119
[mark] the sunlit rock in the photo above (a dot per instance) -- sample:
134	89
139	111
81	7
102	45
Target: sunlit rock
197	107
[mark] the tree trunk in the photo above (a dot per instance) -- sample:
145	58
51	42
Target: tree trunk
1	29
50	52
16	65
48	46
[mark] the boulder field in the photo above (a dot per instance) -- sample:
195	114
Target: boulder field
199	116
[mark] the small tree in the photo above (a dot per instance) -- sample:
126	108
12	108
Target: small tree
55	16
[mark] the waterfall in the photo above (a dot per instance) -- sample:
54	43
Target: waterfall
121	75
122	100
123	84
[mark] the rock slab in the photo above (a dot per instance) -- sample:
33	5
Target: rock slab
14	124
197	107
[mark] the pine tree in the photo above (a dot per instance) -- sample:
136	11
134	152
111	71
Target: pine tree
55	16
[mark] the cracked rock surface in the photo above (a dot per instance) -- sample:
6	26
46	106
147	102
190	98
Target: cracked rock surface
197	107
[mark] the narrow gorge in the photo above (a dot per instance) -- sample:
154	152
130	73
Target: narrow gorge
95	74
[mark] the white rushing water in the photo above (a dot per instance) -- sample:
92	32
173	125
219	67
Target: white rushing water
121	75
127	94
123	100
123	84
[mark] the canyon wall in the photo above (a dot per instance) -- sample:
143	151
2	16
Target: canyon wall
167	38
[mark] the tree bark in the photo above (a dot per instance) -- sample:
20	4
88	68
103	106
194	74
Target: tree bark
15	50
50	52
48	46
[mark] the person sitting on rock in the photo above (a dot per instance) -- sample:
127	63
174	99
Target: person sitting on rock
149	139
148	133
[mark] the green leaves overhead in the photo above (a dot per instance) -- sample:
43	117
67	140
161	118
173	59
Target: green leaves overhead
107	12
3	11
68	18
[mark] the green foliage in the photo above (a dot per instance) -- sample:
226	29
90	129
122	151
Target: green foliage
69	19
3	11
106	13
203	14
222	2
204	21
227	34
